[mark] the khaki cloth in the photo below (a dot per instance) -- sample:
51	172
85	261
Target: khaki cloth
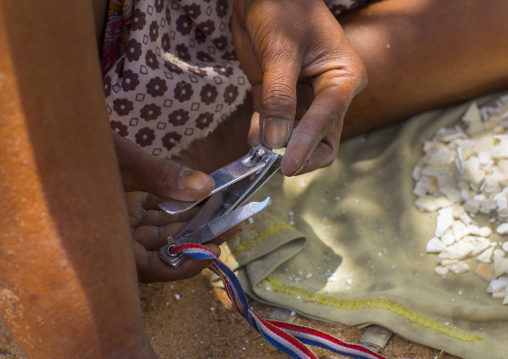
347	244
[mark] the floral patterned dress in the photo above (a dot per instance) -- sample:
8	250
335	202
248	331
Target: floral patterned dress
170	72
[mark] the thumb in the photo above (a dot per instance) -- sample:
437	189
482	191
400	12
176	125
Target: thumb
166	179
278	101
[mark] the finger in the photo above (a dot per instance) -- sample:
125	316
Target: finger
324	154
142	208
334	91
278	99
164	178
151	268
254	136
161	218
152	237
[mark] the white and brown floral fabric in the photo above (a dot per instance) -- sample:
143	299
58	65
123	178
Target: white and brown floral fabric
170	70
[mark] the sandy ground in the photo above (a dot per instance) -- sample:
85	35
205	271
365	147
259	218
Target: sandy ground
193	320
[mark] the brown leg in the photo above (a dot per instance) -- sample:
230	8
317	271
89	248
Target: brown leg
68	286
422	54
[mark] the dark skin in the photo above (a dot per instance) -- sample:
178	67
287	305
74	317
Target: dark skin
59	159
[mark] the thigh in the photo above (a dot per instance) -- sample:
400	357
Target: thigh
423	54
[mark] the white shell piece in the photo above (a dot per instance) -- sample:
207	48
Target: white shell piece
501	200
420	189
460	230
430	203
441	270
502	229
434	171
472	206
486	256
459	267
479	244
497	285
475	128
473	114
500	150
465	144
448	238
447	135
451	193
430	184
417	173
435	245
498	252
444	220
485	158
484	231
473	229
447	262
499	295
464	194
500	265
505	246
458	250
503	213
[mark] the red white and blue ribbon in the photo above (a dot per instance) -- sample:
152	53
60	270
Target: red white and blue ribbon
289	338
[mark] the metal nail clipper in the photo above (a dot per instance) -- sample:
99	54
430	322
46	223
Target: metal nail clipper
235	183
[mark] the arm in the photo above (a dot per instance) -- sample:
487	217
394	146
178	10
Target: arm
424	54
68	283
280	42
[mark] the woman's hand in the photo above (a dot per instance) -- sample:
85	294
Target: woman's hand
161	180
280	42
150	229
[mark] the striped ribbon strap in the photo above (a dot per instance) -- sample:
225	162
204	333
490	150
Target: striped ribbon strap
289	338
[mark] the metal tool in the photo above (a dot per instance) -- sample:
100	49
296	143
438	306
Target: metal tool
235	184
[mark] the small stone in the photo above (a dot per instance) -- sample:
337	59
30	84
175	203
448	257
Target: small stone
447	262
435	245
505	246
486	256
499	253
499	295
496	285
500	266
485	271
502	229
430	203
441	270
459	267
484	231
448	238
444	221
459	229
458	250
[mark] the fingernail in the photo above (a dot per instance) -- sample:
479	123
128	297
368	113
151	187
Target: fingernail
301	168
194	180
275	132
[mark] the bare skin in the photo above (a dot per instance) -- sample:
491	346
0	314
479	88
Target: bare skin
59	161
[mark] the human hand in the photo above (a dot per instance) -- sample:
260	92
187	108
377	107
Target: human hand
279	42
150	229
161	180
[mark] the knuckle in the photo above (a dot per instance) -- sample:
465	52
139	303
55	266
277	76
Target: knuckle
162	173
278	96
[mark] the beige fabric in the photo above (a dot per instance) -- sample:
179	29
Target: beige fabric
356	251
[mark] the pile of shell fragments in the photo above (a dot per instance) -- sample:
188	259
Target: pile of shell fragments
463	175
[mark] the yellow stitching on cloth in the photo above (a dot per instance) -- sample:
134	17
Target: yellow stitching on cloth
374	303
260	237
